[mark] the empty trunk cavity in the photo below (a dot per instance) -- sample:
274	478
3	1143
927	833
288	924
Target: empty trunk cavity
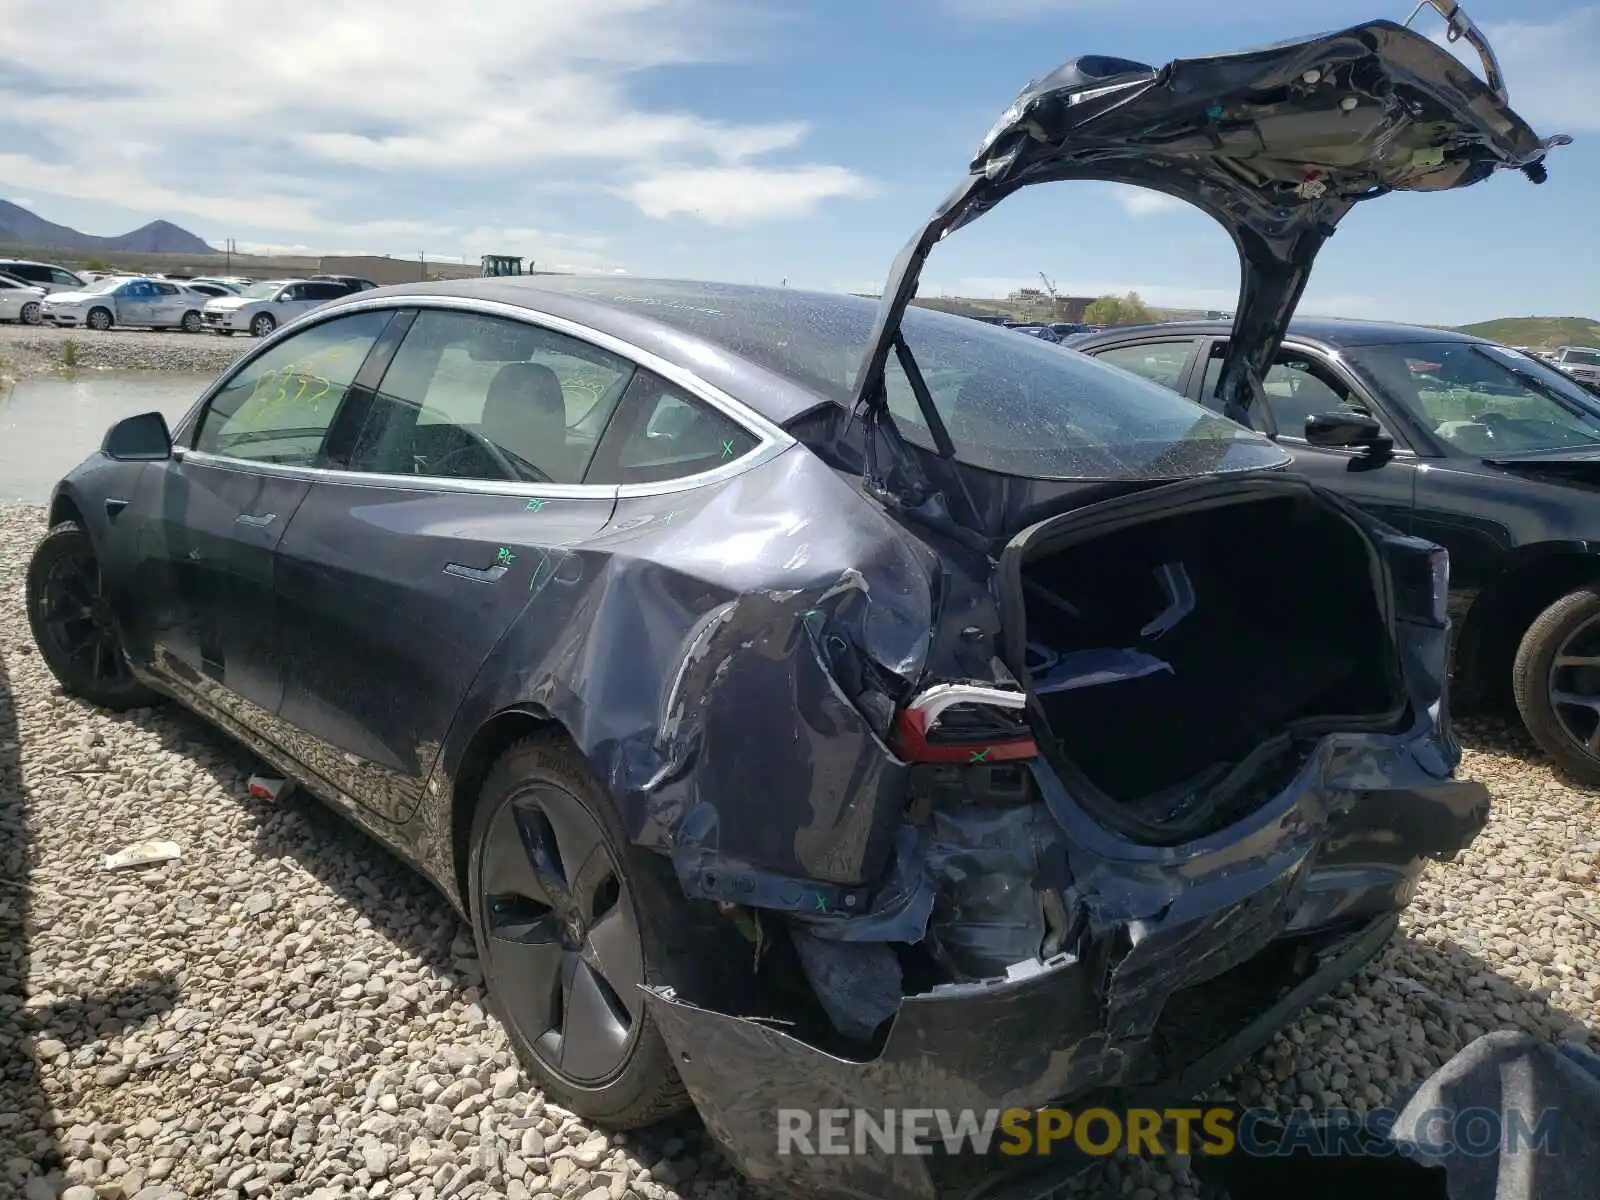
1172	659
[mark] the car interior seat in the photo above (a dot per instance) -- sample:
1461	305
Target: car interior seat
525	413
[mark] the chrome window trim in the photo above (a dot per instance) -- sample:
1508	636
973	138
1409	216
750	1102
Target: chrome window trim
771	440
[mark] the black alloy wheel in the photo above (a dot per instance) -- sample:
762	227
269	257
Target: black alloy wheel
566	915
73	624
1556	682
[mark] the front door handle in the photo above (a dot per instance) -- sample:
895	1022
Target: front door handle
255	520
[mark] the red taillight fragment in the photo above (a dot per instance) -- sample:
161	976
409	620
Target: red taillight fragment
917	741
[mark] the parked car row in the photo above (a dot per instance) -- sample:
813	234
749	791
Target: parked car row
35	293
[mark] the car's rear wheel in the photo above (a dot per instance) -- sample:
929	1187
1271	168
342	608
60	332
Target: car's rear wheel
263	324
73	624
190	322
30	313
1555	679
571	921
99	319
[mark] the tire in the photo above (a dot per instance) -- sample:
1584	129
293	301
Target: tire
263	324
99	319
541	776
30	313
1575	618
98	674
191	322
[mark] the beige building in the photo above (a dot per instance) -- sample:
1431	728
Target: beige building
382	269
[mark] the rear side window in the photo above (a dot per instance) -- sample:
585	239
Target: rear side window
478	397
31	272
1159	362
662	433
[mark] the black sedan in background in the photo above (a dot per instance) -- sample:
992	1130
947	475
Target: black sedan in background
1488	451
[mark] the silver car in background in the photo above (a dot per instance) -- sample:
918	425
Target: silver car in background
262	307
19	301
150	303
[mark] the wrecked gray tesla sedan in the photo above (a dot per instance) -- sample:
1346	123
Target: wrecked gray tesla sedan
816	703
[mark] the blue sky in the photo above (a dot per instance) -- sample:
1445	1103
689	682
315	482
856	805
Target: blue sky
751	140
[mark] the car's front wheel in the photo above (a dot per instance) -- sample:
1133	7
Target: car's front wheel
73	624
571	921
30	314
99	319
263	324
1555	679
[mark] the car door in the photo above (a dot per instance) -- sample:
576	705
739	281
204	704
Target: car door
135	303
1304	381
455	499
201	529
167	305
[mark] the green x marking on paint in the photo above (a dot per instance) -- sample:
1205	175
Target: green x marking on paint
822	902
727	448
535	505
504	557
979	756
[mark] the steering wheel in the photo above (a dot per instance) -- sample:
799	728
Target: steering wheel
1492	418
501	458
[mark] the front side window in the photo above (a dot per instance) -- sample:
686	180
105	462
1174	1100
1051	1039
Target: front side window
1159	362
65	278
663	433
278	409
261	291
478	397
1480	398
1297	387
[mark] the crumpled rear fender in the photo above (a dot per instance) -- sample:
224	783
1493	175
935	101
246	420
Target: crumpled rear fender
725	666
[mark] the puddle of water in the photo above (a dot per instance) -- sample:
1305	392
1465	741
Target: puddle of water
49	424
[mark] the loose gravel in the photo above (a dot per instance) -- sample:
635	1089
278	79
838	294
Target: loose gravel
39	349
286	1010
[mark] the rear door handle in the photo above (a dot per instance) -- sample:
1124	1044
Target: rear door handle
255	520
477	574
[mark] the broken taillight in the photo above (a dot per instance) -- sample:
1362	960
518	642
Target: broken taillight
964	723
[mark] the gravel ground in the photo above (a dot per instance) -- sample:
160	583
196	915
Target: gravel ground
288	1011
36	350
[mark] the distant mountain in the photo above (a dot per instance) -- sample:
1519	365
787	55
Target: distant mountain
1539	332
22	226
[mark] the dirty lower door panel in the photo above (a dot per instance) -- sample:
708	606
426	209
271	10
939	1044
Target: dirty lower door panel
198	604
392	600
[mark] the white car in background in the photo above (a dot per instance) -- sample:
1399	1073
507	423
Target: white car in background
152	303
262	307
19	301
45	275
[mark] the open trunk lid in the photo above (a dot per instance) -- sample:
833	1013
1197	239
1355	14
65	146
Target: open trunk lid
1277	144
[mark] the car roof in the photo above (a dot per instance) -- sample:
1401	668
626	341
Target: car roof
1331	332
620	307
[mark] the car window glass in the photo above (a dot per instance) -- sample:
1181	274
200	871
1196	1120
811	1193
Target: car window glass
477	397
34	274
279	407
322	291
167	289
1159	362
62	277
663	433
1297	387
1481	398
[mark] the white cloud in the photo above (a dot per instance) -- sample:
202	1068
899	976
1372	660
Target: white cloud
1548	67
261	117
741	195
23	202
1144	202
